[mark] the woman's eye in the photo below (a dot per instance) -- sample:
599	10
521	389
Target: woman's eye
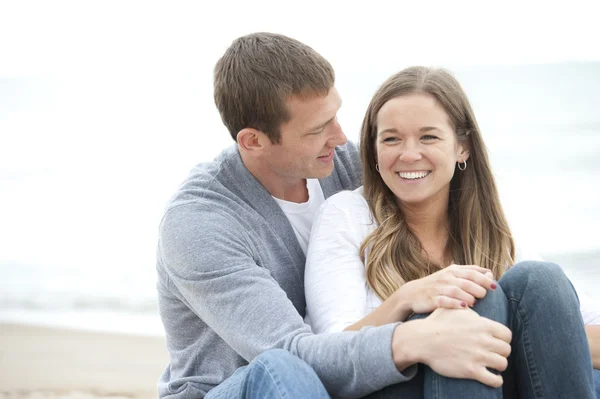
429	137
390	139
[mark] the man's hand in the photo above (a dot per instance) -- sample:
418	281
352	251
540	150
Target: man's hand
453	287
454	343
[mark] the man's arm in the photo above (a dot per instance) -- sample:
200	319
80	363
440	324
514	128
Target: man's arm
208	257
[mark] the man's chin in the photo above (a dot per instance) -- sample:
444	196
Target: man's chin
322	172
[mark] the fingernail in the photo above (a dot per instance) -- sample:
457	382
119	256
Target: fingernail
463	304
494	286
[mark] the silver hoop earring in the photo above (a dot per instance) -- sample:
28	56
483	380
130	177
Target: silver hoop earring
464	165
377	167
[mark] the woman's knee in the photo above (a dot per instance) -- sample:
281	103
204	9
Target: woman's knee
543	280
494	306
534	273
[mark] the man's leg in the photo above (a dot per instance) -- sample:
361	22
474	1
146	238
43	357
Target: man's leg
550	353
274	374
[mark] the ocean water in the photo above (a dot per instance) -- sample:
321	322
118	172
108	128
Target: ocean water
81	199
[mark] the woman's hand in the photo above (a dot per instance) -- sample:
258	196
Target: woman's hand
453	287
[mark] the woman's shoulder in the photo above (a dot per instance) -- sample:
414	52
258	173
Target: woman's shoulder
348	206
348	199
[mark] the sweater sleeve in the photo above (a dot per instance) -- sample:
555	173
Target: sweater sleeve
208	258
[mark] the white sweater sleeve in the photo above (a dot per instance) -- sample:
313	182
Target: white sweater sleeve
334	279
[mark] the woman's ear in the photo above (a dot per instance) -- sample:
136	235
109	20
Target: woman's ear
464	150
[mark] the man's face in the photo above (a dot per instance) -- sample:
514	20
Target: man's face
308	139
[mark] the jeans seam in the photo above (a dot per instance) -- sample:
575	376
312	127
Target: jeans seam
534	378
435	391
272	376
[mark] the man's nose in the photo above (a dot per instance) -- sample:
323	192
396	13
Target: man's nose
338	136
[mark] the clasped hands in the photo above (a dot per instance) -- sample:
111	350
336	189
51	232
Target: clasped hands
453	340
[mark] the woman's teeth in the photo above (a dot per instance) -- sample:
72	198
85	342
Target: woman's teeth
413	175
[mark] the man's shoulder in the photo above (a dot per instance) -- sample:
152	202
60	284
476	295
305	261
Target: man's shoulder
347	174
207	183
348	156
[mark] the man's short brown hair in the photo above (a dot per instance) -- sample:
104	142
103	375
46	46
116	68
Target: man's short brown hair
256	76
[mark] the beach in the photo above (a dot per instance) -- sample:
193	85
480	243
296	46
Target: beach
41	362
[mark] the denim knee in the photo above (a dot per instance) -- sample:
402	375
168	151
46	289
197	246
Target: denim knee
277	359
544	280
288	375
541	271
493	306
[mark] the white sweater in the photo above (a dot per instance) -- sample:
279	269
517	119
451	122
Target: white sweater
337	294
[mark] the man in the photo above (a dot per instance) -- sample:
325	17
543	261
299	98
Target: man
232	249
230	262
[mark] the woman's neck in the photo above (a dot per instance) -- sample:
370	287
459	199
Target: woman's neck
431	225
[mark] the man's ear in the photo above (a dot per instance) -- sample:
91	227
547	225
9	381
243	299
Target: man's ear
251	141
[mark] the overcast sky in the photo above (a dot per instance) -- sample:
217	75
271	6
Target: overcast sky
117	37
105	105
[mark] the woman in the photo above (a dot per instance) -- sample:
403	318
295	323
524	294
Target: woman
391	251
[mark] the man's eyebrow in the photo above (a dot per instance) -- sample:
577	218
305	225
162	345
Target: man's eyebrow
322	125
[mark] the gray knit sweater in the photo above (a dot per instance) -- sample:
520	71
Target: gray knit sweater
230	286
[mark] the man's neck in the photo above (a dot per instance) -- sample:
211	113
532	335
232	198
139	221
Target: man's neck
287	189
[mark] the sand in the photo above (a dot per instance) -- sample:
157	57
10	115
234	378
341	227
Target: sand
41	362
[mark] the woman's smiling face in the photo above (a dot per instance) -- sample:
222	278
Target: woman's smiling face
417	149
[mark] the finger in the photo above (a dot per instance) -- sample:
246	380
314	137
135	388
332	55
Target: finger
445	302
452	291
472	288
488	378
499	330
476	268
498	346
479	269
483	280
496	362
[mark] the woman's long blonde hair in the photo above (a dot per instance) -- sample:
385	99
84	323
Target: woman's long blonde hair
478	234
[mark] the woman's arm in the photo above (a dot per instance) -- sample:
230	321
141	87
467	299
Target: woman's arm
334	277
337	297
453	287
394	309
593	335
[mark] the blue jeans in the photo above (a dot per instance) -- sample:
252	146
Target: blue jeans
550	354
273	374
